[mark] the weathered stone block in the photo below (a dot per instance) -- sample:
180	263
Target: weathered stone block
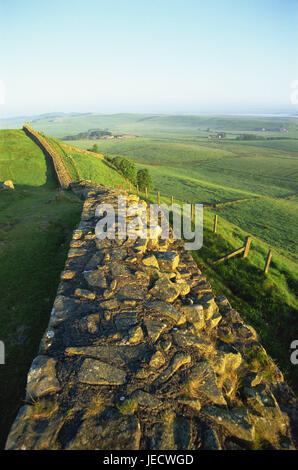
167	260
42	379
236	422
96	372
95	279
165	290
154	328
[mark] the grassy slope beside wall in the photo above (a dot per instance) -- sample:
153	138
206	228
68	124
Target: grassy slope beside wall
22	161
36	222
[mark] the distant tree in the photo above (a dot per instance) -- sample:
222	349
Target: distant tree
250	137
144	179
92	134
126	167
116	161
94	149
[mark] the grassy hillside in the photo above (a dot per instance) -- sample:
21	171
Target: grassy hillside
35	230
274	221
84	166
266	301
22	161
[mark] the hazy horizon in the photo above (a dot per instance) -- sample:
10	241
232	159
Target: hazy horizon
159	58
281	113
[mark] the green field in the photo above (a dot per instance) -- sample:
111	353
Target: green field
272	220
62	124
212	172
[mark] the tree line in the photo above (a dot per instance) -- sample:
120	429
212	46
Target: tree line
127	168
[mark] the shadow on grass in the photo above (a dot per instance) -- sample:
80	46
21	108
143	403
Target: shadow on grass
36	224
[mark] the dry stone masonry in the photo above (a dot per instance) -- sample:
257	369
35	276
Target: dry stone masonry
140	354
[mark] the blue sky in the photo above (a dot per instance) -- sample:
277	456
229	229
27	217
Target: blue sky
187	56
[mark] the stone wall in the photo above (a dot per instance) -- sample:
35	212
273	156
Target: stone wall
60	168
140	354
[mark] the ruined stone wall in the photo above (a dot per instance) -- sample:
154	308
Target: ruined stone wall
61	170
140	354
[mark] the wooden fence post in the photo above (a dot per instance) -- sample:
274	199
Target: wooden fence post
243	249
215	223
268	261
246	246
137	189
146	192
172	202
229	255
158	198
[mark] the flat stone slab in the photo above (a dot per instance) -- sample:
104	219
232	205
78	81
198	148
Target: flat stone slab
109	304
84	294
100	373
236	421
115	355
133	291
190	340
74	252
163	308
125	321
118	269
145	399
